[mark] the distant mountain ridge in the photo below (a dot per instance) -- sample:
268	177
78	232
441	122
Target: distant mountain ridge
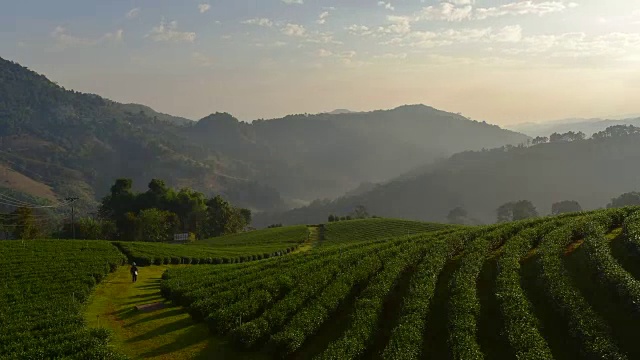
587	126
591	171
77	144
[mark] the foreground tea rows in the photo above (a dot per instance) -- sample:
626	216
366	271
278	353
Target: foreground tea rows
376	299
43	285
536	289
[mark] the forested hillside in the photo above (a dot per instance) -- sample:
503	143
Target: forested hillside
590	171
78	144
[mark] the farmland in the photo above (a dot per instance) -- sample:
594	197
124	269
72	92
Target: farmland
454	293
559	287
43	285
337	233
243	247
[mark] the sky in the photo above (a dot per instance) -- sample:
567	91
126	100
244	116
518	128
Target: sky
502	61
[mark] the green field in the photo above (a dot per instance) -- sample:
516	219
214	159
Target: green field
558	287
243	247
43	285
374	229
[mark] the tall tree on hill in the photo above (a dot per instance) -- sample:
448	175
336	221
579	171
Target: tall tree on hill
156	225
457	215
360	212
118	203
626	199
566	206
540	140
222	218
516	210
24	224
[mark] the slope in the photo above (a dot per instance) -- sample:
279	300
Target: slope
482	181
79	143
510	290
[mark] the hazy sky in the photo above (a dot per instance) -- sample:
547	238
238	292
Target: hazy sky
504	61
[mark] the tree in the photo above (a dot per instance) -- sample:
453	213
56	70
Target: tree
626	199
246	215
222	218
331	218
457	215
566	206
505	212
360	212
23	222
518	210
617	131
86	228
540	140
524	209
155	225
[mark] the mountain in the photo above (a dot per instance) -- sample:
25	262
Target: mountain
78	144
591	171
587	126
137	108
323	156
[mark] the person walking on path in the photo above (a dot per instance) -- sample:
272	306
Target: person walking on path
134	272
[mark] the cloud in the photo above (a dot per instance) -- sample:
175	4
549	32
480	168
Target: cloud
391	56
133	13
447	12
462	2
294	30
203	8
386	5
455	11
169	32
64	40
324	53
202	60
322	18
508	34
293	2
259	21
359	30
318	37
523	8
399	25
274	44
610	47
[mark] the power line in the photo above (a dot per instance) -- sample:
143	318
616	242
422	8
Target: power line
73	223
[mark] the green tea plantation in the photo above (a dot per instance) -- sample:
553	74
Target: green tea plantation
562	287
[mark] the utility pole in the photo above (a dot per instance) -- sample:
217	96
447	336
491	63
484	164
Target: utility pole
73	221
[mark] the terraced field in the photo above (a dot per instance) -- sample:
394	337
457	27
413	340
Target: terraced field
502	291
341	232
562	287
243	247
43	285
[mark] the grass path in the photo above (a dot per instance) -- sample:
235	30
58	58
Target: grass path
167	333
313	239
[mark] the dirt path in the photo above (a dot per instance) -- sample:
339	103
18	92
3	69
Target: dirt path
165	333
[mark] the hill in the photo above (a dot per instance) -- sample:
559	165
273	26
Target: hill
591	171
556	287
587	126
368	230
77	144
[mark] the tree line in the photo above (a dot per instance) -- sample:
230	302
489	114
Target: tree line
524	209
154	215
